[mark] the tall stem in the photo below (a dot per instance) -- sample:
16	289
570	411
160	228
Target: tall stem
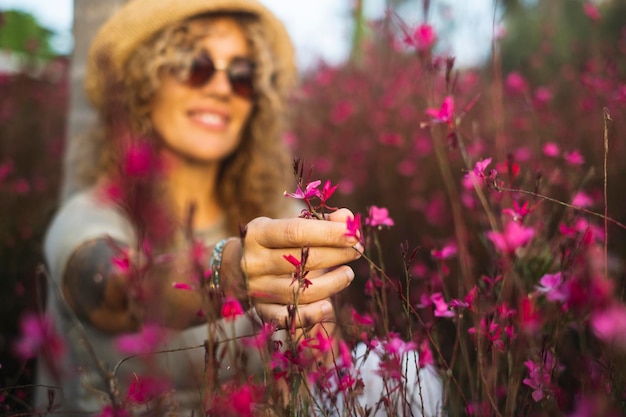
358	33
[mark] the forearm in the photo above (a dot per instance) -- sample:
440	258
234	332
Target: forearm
190	295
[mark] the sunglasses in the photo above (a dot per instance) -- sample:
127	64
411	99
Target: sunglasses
240	73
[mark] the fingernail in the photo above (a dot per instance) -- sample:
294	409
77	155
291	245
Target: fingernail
359	247
350	274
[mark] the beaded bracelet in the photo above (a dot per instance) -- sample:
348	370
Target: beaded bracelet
216	263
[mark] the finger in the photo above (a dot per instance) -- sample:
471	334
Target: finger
274	262
283	290
341	215
306	315
289	233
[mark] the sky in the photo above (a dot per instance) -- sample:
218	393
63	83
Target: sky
320	29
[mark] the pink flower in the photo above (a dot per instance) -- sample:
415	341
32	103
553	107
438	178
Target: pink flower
327	191
342	112
231	309
243	400
542	95
396	346
345	355
574	157
145	388
365	319
448	251
443	114
145	341
481	166
425	355
423	38
353	225
582	199
121	261
139	160
610	325
552	286
37	335
320	342
181	286
468	302
293	260
539	378
516	83
591	11
5	169
378	216
517	212
261	339
441	307
551	149
310	191
513	237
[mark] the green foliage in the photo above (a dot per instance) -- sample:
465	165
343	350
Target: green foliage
20	32
562	30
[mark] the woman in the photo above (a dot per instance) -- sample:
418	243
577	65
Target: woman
190	96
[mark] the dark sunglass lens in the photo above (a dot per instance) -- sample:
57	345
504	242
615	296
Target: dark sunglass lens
241	77
202	69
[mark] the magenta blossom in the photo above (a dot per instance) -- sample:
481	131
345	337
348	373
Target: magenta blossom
610	325
310	191
441	307
425	355
574	157
140	160
379	216
445	113
539	378
231	309
145	388
513	237
145	341
423	38
552	286
37	335
517	212
551	149
516	83
582	199
396	346
327	191
448	251
122	261
353	225
591	11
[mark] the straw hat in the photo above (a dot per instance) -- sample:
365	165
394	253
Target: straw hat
138	20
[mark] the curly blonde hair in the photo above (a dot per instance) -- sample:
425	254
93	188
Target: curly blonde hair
252	179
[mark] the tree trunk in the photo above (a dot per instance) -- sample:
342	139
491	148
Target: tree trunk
89	15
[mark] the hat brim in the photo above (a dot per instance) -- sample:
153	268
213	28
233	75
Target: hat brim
138	20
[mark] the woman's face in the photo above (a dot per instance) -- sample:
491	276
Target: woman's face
205	123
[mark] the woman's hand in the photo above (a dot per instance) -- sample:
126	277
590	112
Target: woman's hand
270	276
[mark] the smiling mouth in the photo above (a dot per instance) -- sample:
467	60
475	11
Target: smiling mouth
210	120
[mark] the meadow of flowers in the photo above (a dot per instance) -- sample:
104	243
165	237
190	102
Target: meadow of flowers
489	203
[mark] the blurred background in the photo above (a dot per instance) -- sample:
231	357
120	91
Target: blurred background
544	70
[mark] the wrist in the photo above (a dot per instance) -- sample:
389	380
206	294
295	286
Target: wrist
231	277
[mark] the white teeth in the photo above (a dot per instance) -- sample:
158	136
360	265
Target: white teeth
210	118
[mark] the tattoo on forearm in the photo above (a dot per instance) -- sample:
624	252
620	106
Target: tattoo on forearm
87	277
